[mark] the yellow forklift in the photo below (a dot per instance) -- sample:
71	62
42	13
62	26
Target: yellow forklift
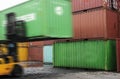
9	63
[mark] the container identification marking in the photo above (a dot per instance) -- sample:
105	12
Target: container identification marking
26	18
59	10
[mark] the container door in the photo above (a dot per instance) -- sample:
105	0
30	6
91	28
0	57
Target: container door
48	54
36	54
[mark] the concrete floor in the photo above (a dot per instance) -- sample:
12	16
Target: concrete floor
48	72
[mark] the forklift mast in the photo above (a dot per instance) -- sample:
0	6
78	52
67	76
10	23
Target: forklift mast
15	31
15	28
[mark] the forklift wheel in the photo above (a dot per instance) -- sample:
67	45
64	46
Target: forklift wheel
17	71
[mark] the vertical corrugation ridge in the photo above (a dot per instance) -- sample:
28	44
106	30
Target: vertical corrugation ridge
106	55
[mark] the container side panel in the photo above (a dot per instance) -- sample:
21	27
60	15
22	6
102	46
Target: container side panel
29	14
89	24
59	18
43	18
98	23
84	54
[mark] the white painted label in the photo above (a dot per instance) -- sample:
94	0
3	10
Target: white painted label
26	18
59	10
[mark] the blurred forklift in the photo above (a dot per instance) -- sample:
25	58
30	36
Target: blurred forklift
9	59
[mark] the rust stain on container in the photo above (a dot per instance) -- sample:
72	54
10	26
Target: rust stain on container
118	54
41	43
89	4
36	43
97	23
50	42
36	54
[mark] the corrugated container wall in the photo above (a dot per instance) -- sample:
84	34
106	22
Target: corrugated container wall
89	4
43	18
92	54
97	23
118	54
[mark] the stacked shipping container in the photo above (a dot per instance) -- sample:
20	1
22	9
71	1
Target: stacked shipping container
92	19
41	51
43	19
39	22
97	23
94	54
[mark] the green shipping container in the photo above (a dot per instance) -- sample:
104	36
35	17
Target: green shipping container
91	54
44	18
